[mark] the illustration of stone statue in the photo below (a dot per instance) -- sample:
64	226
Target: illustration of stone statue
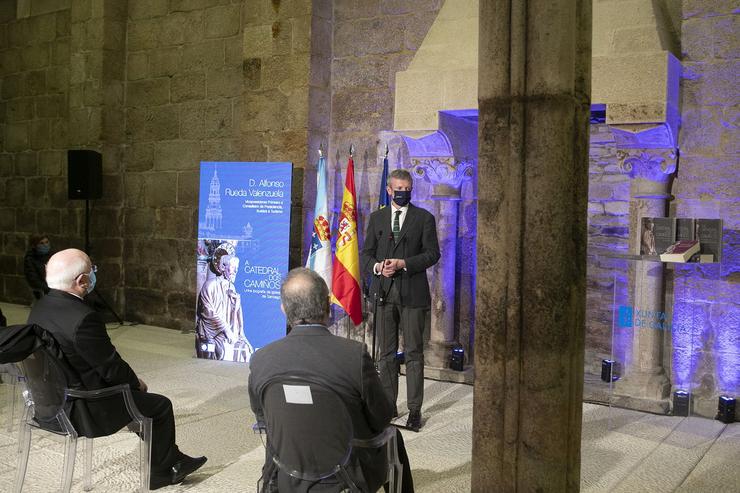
220	321
647	245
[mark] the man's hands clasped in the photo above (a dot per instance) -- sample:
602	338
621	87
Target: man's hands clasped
391	266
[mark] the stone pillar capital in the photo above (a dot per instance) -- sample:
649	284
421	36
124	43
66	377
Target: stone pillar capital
656	165
647	153
445	176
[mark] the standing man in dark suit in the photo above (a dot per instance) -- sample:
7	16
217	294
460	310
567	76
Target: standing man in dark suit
81	334
310	350
400	245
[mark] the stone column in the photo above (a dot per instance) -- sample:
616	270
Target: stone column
446	179
534	86
645	384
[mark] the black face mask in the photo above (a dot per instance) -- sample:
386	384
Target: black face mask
402	197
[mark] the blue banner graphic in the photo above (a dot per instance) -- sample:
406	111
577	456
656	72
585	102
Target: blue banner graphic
242	256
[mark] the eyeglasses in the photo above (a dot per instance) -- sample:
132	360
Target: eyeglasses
94	268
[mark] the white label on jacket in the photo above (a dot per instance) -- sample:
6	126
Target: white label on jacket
297	394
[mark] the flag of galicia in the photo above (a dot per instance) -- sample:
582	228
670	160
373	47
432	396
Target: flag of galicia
319	258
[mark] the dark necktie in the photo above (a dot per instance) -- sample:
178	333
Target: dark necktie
396	225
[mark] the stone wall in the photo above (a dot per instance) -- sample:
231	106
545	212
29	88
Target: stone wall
156	86
184	81
444	72
34	116
213	80
608	232
373	40
702	351
706	300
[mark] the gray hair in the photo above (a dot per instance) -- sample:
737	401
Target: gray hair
305	297
400	174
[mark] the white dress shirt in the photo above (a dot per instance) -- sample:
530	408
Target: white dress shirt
401	218
378	267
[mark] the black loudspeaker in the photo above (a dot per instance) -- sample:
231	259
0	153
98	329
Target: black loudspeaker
84	174
726	409
610	370
457	358
681	403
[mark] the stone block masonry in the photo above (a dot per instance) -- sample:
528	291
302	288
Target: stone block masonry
34	56
156	86
706	186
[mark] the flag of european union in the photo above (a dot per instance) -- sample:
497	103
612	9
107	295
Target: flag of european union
383	198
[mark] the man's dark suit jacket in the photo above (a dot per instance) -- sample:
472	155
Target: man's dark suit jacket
312	351
417	245
81	335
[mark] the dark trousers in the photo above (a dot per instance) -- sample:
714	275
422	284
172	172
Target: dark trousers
159	408
411	322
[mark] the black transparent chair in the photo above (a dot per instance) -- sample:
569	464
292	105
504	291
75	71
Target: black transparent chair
47	405
313	442
11	378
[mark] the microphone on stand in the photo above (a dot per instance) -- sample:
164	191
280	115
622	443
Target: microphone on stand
388	250
380	293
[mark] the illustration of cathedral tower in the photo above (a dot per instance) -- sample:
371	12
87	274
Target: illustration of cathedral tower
213	211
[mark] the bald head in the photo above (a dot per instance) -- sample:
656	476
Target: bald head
65	270
304	297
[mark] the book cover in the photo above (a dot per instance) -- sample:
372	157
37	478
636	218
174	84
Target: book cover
647	236
709	234
684	228
681	251
656	234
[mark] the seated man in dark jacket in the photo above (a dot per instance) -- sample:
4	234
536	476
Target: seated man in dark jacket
82	337
311	351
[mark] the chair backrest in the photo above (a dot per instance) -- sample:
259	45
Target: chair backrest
12	371
309	430
46	381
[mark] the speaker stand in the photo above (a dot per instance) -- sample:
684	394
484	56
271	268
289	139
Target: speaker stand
87	226
87	250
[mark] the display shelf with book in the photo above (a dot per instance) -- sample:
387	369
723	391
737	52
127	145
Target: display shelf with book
681	239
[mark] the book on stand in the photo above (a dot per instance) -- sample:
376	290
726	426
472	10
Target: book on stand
664	232
656	234
684	228
709	234
681	251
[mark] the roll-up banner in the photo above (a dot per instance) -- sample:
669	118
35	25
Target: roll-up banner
242	256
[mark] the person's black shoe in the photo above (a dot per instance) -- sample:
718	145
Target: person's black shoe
414	421
177	473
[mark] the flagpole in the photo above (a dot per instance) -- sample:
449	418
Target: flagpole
320	256
379	295
347	320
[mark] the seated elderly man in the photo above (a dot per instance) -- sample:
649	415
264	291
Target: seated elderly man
310	350
81	334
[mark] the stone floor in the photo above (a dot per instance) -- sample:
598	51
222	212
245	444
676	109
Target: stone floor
623	450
